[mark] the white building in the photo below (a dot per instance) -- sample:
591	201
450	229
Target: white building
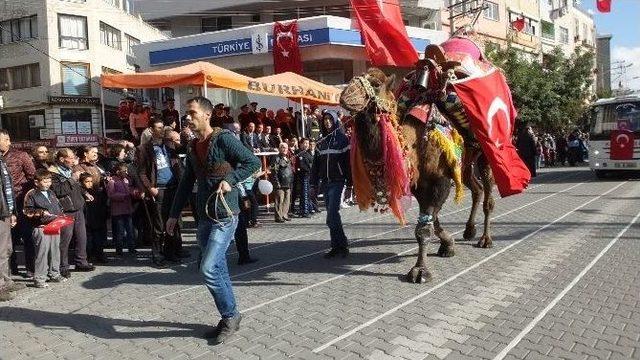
331	47
43	97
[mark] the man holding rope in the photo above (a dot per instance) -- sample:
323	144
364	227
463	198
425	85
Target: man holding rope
219	162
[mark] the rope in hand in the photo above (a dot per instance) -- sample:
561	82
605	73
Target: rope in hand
219	196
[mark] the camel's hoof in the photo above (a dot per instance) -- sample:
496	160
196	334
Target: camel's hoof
446	251
485	242
418	275
469	233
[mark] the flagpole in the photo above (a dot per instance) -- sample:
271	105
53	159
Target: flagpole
204	86
303	121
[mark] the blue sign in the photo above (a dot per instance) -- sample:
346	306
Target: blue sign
244	46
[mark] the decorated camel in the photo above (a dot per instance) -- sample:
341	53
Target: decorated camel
418	140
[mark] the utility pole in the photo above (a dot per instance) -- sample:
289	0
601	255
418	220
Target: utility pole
460	8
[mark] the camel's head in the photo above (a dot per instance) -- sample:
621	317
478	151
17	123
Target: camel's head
371	90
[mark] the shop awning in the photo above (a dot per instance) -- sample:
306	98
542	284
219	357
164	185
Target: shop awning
192	74
290	85
296	87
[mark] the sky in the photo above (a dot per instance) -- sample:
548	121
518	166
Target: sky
623	22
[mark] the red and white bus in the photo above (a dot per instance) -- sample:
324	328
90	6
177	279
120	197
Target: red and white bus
614	135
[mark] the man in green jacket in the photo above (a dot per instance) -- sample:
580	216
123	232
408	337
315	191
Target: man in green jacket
219	162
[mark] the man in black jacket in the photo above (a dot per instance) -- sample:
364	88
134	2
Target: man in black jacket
304	163
250	139
69	192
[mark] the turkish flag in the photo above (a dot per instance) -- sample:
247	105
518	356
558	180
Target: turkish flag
489	107
54	227
286	52
604	5
518	25
622	145
385	36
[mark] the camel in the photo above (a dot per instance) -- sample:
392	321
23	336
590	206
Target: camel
430	168
423	95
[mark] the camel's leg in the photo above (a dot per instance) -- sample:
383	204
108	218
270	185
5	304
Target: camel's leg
424	231
471	181
439	191
488	205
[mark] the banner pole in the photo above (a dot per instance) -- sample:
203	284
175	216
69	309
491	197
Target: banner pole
104	120
303	120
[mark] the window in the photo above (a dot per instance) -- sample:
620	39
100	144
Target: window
548	30
131	42
114	3
19	29
73	32
529	27
20	77
18	125
76	79
76	121
110	36
564	35
492	12
215	24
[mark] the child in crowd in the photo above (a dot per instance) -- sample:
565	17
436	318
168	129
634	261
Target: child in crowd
121	192
96	215
41	206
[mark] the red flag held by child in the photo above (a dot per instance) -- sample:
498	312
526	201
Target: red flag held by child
54	227
286	52
488	104
385	36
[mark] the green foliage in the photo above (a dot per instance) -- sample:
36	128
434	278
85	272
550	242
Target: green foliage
552	94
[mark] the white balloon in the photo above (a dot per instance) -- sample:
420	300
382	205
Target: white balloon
265	187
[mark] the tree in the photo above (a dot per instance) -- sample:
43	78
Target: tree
552	94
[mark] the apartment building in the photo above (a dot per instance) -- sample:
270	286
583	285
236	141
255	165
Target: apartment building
52	53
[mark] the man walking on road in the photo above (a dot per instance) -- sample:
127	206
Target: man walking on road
218	161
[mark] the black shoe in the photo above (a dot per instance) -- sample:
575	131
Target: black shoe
65	273
226	328
85	268
280	221
287	219
246	260
341	252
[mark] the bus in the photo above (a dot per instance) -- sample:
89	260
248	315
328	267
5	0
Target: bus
614	135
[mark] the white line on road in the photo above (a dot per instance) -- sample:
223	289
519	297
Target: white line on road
121	279
452	278
564	292
392	256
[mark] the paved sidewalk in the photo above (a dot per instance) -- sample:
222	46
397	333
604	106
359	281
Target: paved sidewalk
562	281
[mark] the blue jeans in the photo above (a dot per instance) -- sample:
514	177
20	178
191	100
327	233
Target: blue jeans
123	230
214	239
332	200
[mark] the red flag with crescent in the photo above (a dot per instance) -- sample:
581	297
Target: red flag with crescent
489	107
622	145
54	227
286	52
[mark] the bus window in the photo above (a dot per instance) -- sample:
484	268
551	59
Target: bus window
619	116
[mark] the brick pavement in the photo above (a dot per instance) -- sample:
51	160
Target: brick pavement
294	301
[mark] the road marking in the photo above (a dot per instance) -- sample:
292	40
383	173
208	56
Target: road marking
564	292
452	278
325	249
392	256
118	280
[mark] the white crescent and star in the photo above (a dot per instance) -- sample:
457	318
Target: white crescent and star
624	136
497	105
288	35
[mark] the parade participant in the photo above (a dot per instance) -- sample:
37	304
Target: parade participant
526	146
246	206
158	172
218	161
22	171
7	221
69	192
332	170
